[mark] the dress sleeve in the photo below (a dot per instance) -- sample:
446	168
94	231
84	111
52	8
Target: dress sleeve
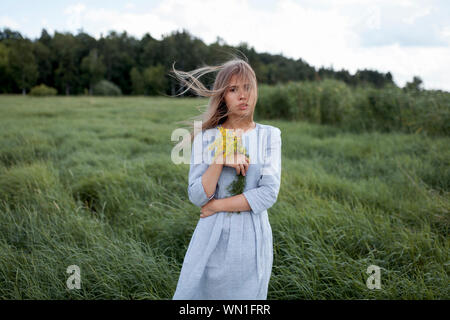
265	195
196	192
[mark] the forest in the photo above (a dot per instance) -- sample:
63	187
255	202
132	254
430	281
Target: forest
74	64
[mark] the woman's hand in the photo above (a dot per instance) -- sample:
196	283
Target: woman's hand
237	161
209	209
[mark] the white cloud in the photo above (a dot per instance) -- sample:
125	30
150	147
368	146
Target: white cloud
323	33
75	8
75	13
445	34
418	14
105	20
8	22
130	5
431	64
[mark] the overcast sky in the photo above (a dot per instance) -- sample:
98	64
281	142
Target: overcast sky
405	37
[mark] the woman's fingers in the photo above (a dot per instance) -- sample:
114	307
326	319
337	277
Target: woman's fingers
240	162
206	214
242	169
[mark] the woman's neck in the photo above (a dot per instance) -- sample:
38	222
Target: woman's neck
244	125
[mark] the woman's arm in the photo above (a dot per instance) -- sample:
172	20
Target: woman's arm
200	190
211	176
264	195
233	204
203	177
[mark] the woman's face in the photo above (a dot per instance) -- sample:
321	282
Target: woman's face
238	97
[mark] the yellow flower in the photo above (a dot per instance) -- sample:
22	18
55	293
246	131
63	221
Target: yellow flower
227	143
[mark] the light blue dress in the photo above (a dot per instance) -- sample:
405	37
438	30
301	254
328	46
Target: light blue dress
230	255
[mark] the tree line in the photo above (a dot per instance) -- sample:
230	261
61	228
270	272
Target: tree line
74	63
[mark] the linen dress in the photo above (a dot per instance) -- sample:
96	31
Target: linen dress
230	255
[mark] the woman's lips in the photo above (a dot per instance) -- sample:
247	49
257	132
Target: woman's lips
243	106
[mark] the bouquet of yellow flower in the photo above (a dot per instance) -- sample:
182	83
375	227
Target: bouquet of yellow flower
234	144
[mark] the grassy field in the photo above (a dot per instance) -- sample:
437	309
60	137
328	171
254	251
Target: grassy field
89	182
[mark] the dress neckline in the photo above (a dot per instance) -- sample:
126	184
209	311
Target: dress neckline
244	133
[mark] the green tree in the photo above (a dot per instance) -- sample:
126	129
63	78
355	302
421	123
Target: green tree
187	51
22	64
155	81
67	70
5	76
43	57
150	52
379	80
137	81
120	53
93	67
414	85
9	34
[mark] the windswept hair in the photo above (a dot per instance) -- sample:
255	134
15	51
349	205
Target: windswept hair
217	112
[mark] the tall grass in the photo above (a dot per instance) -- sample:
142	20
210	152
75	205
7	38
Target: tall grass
360	109
89	181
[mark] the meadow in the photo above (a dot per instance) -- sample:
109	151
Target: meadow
89	181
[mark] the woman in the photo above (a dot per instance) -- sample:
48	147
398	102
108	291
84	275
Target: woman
230	255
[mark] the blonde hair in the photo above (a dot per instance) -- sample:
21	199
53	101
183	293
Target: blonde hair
217	111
